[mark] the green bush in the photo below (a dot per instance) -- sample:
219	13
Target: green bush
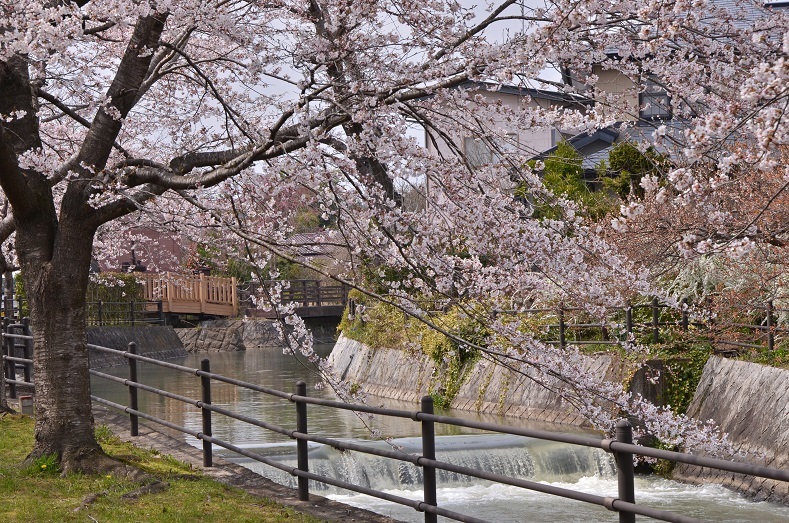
383	325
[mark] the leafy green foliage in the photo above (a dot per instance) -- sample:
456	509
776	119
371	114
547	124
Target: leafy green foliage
115	287
382	325
47	464
683	365
627	165
563	175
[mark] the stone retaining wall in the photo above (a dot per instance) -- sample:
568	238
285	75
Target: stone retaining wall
229	336
750	402
241	334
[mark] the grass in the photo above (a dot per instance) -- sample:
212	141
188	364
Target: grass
35	492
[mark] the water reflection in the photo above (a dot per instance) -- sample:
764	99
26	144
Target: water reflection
269	368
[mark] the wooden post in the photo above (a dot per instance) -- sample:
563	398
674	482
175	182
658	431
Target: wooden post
234	295
562	328
655	321
202	292
169	286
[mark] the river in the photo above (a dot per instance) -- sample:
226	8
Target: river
582	469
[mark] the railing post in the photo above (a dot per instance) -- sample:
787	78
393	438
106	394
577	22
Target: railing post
655	321
100	312
562	328
624	467
205	382
131	312
684	305
9	368
429	452
202	292
160	310
769	324
629	318
301	444
133	405
27	351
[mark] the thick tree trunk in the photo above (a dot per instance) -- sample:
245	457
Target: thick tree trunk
56	296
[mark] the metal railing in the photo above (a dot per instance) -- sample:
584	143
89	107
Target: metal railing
621	447
17	355
124	313
654	322
106	313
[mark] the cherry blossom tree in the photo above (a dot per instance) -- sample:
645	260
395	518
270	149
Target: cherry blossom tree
201	116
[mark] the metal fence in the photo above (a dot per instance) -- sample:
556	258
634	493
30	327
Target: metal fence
104	313
752	326
622	447
124	313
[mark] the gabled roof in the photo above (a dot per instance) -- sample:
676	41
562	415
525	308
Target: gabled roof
595	147
588	146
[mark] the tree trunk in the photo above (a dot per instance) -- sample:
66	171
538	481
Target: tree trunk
56	297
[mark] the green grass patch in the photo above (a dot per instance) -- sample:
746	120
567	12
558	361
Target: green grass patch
35	492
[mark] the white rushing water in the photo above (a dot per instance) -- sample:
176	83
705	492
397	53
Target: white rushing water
576	468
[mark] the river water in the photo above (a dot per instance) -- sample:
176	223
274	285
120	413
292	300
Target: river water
576	468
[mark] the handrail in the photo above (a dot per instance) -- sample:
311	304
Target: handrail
626	509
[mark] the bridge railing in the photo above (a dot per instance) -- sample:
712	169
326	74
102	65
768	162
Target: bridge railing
310	297
621	447
191	294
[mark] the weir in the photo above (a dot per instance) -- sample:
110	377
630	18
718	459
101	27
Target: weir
519	457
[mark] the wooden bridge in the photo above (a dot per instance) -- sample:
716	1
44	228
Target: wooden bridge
313	299
218	296
191	294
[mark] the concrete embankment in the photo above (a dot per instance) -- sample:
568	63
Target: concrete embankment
486	388
750	402
153	341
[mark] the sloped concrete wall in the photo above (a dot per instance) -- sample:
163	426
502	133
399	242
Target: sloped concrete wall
487	388
750	402
154	341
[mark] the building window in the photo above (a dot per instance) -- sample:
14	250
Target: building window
655	102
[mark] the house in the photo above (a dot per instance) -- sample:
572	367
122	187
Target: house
144	249
484	143
642	104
